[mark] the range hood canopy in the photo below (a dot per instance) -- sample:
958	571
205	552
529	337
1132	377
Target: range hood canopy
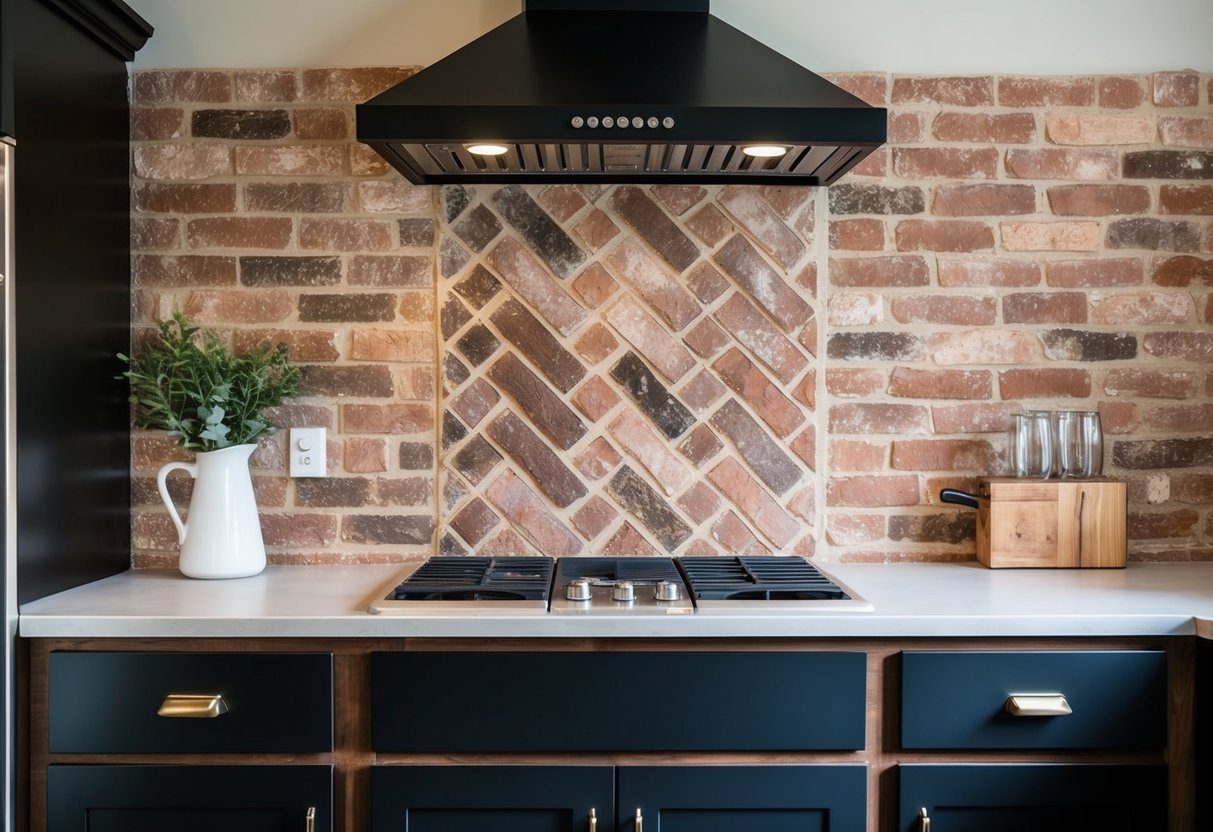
619	91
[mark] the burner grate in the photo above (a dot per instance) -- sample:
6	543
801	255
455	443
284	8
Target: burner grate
634	569
753	578
471	578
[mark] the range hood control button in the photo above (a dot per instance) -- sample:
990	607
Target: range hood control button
637	122
624	591
667	123
668	591
578	590
622	121
591	122
608	122
578	122
653	122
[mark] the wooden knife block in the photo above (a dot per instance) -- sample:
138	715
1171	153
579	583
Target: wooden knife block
1051	523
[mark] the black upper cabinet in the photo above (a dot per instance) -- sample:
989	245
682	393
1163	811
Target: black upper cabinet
63	95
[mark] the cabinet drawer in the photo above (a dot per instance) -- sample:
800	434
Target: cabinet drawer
108	702
959	699
659	701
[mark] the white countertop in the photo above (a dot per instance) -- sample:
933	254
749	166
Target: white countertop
919	600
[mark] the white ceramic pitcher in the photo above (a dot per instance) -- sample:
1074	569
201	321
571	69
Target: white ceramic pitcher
222	537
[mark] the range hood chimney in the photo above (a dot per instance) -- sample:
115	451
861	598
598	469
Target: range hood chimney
619	91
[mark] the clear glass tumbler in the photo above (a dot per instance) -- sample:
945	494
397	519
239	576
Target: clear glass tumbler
1033	445
1080	443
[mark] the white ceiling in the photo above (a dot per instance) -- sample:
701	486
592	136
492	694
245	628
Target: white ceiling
906	36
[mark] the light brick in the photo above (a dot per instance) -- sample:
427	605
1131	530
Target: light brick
1050	236
851	455
1121	93
944	309
846	382
518	267
1062	163
988	272
182	161
757	217
1151	383
669	357
1187	132
958	91
1175	89
367	344
1044	383
755	332
654	283
864	418
1098	200
748	495
1075	274
974	418
648	448
855	309
891	271
292	160
1152	308
982	347
1099	129
943	455
1041	92
847	529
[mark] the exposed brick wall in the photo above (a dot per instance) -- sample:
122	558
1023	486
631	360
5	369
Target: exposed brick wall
637	369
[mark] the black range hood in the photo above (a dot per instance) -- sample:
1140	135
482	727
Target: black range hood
619	91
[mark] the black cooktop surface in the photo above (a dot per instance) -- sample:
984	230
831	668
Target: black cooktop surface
757	578
476	578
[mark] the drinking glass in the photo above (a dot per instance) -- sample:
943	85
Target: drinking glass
1080	442
1033	445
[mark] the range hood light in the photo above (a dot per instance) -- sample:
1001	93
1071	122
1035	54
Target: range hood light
764	151
488	149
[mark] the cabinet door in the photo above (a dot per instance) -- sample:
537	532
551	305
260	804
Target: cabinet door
1039	797
501	798
790	798
189	798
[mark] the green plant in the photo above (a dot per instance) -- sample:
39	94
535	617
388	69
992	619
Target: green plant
188	382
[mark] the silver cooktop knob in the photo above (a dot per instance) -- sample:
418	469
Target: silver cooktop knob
624	591
578	590
668	591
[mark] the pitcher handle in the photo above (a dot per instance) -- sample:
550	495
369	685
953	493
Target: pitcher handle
162	484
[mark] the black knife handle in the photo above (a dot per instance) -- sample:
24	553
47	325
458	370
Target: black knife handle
960	498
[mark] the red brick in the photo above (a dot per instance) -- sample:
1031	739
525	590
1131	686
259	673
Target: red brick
415	384
1186	199
593	518
395	345
974	418
988	272
857	235
149	123
982	346
562	201
595	398
1099	129
897	419
771	405
943	235
238	306
805	447
984	128
1042	383
654	283
764	225
907	128
755	332
507	543
1152	308
910	383
1192	488
1184	418
1050	236
192	86
1045	308
353	85
1196	347
806	390
699	502
1151	383
894	270
182	161
269	85
855	309
1041	92
1098	200
852	529
679	198
872	492
1187	132
596	343
874	164
475	402
650	339
983	200
474	521
395	197
597	229
363	455
854	455
847	382
301	345
519	268
870	88
764	284
735	536
1163	524
706	338
597	459
345	234
958	91
530	516
945	162
748	495
185	270
943	455
944	309
1121	93
700	445
1084	274
1062	163
298	529
320	123
292	160
647	447
710	225
366	162
386	418
239	232
1175	89
595	285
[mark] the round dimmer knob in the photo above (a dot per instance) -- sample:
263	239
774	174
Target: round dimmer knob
668	591
578	590
624	591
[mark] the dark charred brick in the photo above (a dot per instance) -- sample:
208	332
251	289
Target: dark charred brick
240	124
669	415
362	381
1169	164
453	316
416	232
290	271
474	521
413	492
636	497
700	445
476	459
543	407
416	456
478	228
534	456
478	344
741	260
340	308
874	346
453	493
452	257
450	547
411	270
654	227
1080	345
957	527
479	287
756	447
388	530
332	492
296	197
533	340
542	234
876	199
1184	270
455	198
1158	235
1163	453
453	430
454	371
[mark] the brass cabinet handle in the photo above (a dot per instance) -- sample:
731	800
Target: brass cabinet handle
310	819
638	822
1037	704
193	705
593	819
924	820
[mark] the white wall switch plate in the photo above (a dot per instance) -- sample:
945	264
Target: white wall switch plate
307	451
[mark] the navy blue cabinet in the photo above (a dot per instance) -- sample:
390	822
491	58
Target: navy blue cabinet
1036	797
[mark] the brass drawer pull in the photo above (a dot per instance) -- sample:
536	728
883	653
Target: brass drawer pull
193	705
924	820
310	819
638	822
593	819
1037	704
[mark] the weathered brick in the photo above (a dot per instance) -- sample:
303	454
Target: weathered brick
390	270
854	455
386	418
345	234
240	124
906	128
1187	132
702	391
699	502
654	400
1082	345
870	87
984	128
1151	383
353	84
700	445
593	518
707	283
296	197
1050	236
292	160
478	227
653	283
192	86
735	536
1169	164
396	197
874	346
1045	308
750	328
669	357
351	307
1155	234
596	343
542	234
855	309
270	85
744	491
1042	92
597	229
865	418
628	542
757	217
943	455
1099	129
531	454
298	529
710	224
517	267
474	521
943	235
636	497
954	527
872	492
1062	163
290	271
974	418
595	285
332	492
249	307
1159	525
739	259
760	452
1184	270
890	271
771	405
1196	347
1184	418
645	446
182	161
856	235
852	529
301	344
185	198
453	431
361	455
1155	308
988	272
595	398
958	91
543	407
1162	453
320	123
1120	93
357	382
238	232
706	338
679	198
417	456
597	459
475	402
1098	200
1081	274
387	530
983	200
946	162
169	271
417	233
982	346
944	309
804	445
911	383
562	201
1045	382
534	341
1185	199
1175	89
151	123
1192	488
855	383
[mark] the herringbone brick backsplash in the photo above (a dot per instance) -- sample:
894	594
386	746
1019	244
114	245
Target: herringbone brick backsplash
693	370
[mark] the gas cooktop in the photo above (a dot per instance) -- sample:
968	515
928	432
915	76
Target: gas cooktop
524	585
